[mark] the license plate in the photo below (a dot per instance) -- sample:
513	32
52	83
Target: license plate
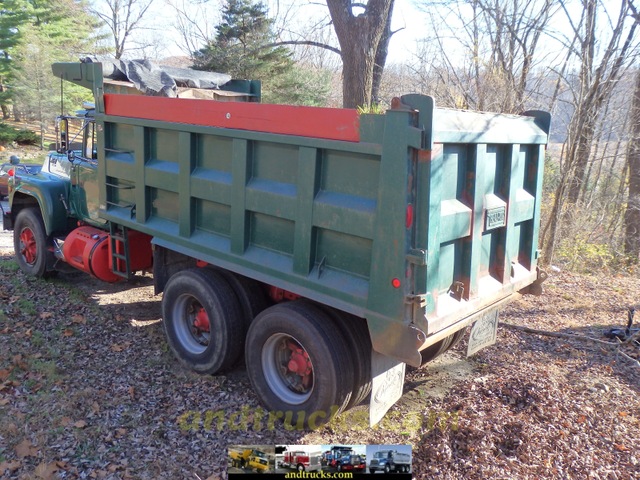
484	332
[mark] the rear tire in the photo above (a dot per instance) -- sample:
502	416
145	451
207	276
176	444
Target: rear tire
30	243
202	320
456	337
297	364
434	351
356	334
251	296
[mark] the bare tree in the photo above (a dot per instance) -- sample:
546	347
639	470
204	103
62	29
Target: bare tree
195	23
632	213
360	36
500	44
592	87
122	17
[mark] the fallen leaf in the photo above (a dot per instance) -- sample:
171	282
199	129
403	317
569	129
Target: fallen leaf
119	347
78	319
4	401
621	448
66	421
4	374
623	414
582	419
45	315
46	471
68	333
19	362
26	449
132	393
80	424
121	431
95	407
11	466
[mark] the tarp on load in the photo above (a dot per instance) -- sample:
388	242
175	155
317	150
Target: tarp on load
158	80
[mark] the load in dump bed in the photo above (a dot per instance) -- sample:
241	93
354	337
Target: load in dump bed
337	247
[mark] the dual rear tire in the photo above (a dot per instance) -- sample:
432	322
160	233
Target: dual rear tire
305	361
299	363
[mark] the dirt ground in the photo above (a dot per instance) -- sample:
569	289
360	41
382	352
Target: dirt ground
89	389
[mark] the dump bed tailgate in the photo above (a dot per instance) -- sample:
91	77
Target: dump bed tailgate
479	187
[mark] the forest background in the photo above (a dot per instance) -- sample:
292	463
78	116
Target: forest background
577	59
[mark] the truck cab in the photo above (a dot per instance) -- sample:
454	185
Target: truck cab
75	160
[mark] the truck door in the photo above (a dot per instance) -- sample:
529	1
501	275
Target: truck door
84	177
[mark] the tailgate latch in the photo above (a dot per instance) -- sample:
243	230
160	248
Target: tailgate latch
417	256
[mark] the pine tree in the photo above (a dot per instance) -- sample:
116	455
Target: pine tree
51	31
244	48
13	15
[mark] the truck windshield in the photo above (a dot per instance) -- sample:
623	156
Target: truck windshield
380	455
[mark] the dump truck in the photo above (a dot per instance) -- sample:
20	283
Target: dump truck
270	228
388	461
332	457
250	458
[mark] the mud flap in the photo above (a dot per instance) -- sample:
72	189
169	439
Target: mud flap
484	331
386	387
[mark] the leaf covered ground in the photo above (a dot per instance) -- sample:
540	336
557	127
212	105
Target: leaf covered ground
88	389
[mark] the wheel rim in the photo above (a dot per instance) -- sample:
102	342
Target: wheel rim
192	325
287	368
28	246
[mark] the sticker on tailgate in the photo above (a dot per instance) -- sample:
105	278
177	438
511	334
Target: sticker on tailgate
496	217
484	332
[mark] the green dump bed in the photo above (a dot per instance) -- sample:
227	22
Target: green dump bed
416	220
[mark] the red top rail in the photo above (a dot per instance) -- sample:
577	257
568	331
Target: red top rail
326	123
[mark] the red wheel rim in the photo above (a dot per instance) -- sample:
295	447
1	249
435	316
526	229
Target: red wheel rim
201	322
28	246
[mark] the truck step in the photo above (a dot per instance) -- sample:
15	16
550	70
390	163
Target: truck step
119	243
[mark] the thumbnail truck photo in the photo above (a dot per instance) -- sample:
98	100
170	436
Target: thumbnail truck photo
324	248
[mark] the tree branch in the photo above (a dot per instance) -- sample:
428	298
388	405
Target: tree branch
304	42
571	336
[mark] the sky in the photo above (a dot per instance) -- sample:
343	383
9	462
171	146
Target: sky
407	19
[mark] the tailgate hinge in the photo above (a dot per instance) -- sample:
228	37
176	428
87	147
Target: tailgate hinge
417	256
420	300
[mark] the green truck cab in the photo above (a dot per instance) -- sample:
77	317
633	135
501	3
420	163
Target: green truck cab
269	228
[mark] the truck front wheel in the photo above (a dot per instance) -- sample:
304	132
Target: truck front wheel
297	365
202	320
30	242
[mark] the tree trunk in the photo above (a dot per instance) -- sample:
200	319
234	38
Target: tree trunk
359	37
632	213
581	160
381	58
